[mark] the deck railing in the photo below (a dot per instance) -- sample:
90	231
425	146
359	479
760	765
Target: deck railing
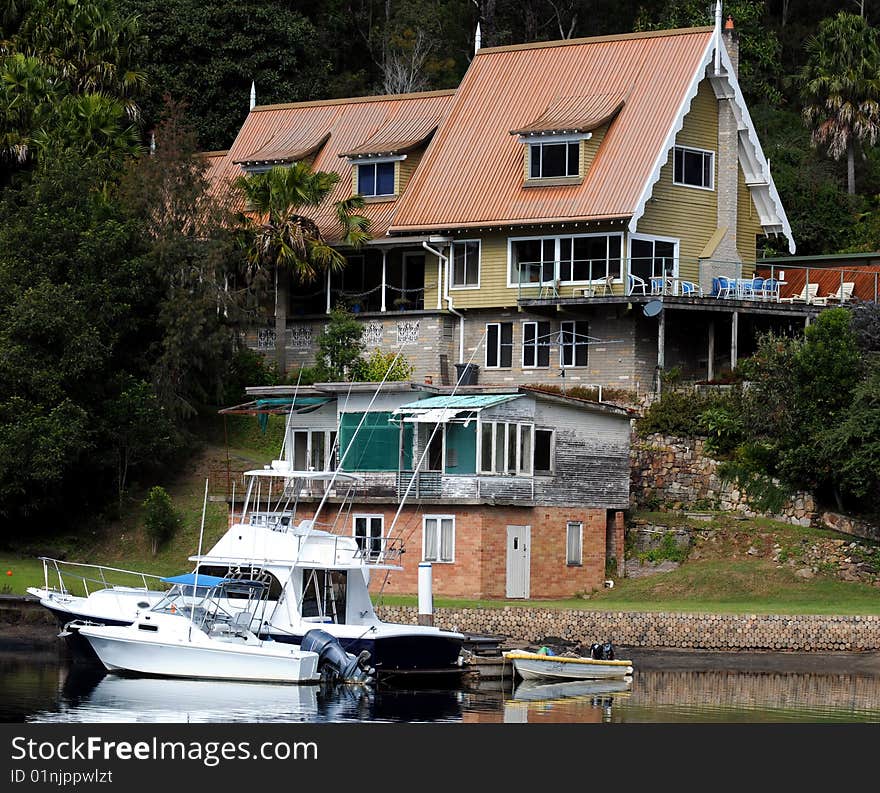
91	577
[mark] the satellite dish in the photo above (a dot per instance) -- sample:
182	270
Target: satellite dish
652	308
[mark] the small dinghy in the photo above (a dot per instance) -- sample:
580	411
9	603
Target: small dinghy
546	666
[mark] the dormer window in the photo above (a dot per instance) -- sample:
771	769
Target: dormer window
550	160
375	179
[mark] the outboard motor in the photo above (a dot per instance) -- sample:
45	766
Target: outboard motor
602	652
334	664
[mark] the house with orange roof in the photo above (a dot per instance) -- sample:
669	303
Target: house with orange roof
576	212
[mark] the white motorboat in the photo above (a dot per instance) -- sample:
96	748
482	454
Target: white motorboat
317	576
191	635
538	666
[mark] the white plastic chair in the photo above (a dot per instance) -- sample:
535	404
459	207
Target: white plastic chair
635	283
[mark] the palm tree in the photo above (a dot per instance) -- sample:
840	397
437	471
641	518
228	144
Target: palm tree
284	239
841	87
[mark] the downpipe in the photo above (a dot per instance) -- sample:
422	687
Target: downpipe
448	298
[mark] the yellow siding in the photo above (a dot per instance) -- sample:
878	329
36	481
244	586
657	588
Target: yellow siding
687	213
405	169
590	147
493	291
748	225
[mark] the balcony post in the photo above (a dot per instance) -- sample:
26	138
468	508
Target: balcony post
384	257
328	291
710	374
734	333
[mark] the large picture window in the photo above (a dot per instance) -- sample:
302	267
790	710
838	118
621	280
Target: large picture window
569	260
438	538
652	258
499	345
694	168
466	264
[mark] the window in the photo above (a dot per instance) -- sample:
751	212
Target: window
466	264
548	160
438	538
499	345
536	344
368	532
505	448
575	342
314	450
376	178
652	258
694	168
544	449
570	259
574	543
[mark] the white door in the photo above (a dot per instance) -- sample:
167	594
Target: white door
518	561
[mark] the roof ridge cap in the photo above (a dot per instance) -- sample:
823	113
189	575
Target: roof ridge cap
354	100
643	34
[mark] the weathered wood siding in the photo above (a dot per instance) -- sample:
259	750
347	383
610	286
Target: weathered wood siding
590	147
748	226
687	213
591	458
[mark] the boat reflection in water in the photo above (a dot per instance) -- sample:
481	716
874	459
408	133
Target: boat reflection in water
87	696
532	700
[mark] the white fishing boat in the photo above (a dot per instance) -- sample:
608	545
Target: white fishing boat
538	666
192	633
317	576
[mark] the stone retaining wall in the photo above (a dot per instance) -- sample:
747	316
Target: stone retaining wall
662	629
672	470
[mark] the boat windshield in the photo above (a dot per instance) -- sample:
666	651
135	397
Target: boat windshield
222	601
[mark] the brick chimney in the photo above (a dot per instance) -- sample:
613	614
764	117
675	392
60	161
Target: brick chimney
730	37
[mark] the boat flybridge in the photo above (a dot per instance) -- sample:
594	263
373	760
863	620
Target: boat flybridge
318	573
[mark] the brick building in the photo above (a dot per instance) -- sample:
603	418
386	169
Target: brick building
509	492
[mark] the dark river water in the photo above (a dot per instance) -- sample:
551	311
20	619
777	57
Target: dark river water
666	687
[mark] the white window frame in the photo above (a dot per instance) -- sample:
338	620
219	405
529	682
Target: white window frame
369	517
376	161
439	519
512	284
653	238
536	344
711	153
452	284
522	467
498	349
574	344
555	140
328	446
579	525
552	432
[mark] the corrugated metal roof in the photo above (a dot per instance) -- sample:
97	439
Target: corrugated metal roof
349	123
295	145
472	173
397	136
575	113
458	401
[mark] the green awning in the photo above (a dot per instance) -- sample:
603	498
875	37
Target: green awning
445	408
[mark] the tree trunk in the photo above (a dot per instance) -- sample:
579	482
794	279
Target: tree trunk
281	300
850	169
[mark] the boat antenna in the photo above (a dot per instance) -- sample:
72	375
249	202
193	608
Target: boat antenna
192	607
290	413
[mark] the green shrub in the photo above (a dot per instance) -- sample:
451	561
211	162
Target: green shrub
161	520
374	368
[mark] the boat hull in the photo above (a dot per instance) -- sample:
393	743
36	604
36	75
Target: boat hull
400	653
215	661
532	666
